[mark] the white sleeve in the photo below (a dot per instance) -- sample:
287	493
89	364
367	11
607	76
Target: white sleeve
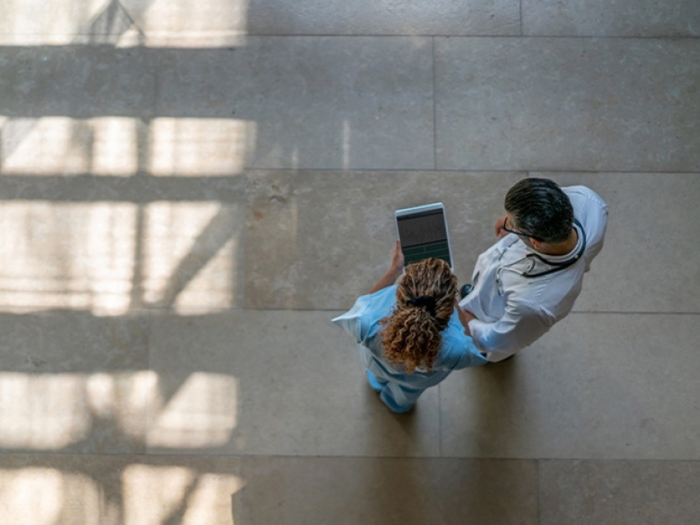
519	327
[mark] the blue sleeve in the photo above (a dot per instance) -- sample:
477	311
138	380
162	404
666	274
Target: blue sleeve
459	348
471	355
362	319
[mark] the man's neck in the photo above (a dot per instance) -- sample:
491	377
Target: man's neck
561	248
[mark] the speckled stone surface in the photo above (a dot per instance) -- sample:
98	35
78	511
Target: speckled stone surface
618	492
119	489
395	491
275	383
412	17
679	18
325	103
563	103
70	383
596	386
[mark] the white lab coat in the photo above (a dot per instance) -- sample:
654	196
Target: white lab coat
513	311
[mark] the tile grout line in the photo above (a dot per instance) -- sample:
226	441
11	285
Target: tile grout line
434	110
150	415
239	299
667	38
521	17
439	421
567	171
539	490
160	455
446	35
9	177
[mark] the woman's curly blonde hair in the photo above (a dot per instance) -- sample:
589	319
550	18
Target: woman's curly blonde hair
425	300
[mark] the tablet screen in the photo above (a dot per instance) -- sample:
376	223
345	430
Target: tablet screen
423	235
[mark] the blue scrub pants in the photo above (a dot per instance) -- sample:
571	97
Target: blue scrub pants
398	398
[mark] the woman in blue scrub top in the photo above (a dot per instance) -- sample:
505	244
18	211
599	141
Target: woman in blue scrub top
411	335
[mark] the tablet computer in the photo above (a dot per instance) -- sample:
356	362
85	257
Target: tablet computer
422	231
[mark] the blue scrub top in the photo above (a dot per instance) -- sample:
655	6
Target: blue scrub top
362	323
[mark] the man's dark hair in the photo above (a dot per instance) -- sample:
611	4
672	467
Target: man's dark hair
540	209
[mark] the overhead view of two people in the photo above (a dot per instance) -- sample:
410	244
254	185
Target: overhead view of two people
413	333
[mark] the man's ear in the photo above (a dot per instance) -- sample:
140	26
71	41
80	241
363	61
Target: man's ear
536	244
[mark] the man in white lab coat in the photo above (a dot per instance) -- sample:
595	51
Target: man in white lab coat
531	277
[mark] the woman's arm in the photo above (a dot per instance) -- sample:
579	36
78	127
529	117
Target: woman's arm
394	271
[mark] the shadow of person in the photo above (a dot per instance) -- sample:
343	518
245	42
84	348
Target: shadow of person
495	387
502	485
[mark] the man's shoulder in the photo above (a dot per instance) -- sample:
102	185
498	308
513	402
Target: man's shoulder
592	212
584	195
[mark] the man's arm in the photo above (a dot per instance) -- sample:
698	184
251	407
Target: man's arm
394	271
464	317
519	327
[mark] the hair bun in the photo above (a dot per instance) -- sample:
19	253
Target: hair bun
424	301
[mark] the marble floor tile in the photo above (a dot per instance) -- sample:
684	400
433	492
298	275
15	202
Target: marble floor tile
118	490
618	492
388	491
273	383
73	383
121	147
63	22
567	104
76	82
218	21
120	245
366	17
181	23
60	146
648	263
335	103
598	386
338	230
674	18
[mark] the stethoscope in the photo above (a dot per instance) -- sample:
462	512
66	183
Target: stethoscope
555	266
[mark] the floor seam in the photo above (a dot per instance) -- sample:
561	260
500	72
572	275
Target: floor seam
449	35
439	420
434	108
521	17
568	171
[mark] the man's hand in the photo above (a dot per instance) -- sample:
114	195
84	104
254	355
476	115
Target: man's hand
500	223
464	317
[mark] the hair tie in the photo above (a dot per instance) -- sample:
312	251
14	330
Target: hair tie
424	301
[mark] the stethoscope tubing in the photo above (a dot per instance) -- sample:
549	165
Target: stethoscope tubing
557	266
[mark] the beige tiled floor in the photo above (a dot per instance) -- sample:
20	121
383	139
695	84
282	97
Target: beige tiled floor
189	191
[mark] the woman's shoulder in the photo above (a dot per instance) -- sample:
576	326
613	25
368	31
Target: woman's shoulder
380	302
363	318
